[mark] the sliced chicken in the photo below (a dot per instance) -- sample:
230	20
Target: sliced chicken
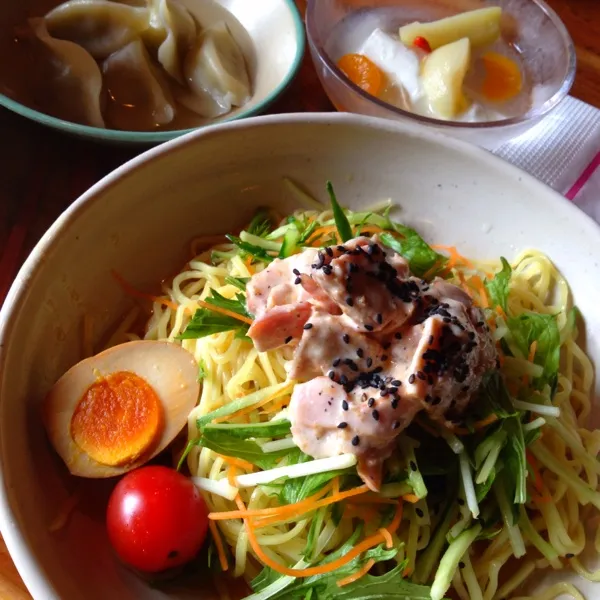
360	278
327	420
374	346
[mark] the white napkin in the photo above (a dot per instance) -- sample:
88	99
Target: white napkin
563	151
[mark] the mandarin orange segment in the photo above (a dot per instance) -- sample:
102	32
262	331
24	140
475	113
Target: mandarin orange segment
118	419
502	79
362	72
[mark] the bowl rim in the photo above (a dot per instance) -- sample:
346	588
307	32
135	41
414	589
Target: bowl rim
31	571
318	47
153	137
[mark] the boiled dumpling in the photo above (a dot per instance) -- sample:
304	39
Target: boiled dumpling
70	82
100	26
215	67
138	96
173	30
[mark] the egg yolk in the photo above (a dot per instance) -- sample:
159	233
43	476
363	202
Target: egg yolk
363	72
118	419
502	80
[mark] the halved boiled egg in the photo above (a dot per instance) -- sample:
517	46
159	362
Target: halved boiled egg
115	411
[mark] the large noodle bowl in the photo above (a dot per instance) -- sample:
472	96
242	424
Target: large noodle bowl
418	534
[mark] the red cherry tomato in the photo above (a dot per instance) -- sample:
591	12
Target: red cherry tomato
156	519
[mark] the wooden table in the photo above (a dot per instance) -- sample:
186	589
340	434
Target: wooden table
45	171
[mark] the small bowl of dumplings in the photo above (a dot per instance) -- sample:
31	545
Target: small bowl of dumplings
146	71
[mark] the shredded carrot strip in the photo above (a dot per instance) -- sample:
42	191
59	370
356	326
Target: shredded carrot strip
532	350
216	535
477	425
131	291
236	462
223	311
500	311
317	233
249	409
538	482
454	253
356	576
276	406
387	536
336	485
329	567
483	297
393	526
296	509
464	284
248	264
407	572
286	513
231	475
235	514
410	498
426	427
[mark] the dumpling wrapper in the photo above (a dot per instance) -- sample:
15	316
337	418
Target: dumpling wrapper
139	98
172	31
100	26
71	84
216	73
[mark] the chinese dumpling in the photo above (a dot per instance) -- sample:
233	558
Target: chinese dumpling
138	96
100	26
70	81
215	67
175	29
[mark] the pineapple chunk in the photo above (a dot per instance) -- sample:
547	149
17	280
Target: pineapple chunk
443	74
481	26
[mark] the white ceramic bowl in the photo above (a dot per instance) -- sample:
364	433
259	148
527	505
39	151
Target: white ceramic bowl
139	220
270	32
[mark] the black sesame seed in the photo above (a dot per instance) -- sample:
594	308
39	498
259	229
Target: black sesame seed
331	375
296	272
447	320
341	249
336	362
411	378
369	327
436	400
393	390
346	338
375	415
298	280
329	251
379	318
342	425
398	335
479	324
419	512
461	502
421	375
288	339
394	403
308	326
343	379
396	382
569	555
377	370
471	335
412	465
344	405
369	362
327	269
349	301
384	393
384	357
353	268
360	353
371	402
355	440
395	424
461	565
430	340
